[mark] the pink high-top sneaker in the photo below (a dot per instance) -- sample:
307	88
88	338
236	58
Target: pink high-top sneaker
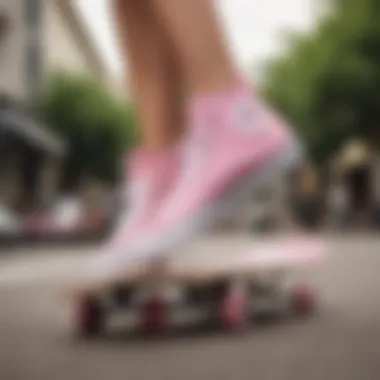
235	145
150	175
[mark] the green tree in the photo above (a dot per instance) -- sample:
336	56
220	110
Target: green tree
96	127
327	83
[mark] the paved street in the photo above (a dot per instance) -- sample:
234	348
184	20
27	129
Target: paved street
342	342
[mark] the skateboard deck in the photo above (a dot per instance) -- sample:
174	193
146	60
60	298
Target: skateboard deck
271	255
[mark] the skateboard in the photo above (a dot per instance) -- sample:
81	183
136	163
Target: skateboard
226	287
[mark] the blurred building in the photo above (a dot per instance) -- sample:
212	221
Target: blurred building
37	37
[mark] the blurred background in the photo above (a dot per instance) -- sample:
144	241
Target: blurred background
66	121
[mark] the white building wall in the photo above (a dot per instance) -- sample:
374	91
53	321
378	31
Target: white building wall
12	53
61	49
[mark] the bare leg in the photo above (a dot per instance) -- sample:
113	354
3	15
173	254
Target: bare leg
199	43
232	139
155	77
151	168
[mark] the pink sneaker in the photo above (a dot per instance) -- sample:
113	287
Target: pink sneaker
235	146
150	175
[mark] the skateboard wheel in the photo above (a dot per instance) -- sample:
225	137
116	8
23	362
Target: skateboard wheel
233	313
154	316
122	296
90	317
302	300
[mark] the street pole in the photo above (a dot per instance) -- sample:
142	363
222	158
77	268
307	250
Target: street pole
33	52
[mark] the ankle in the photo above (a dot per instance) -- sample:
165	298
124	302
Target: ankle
215	83
236	86
159	143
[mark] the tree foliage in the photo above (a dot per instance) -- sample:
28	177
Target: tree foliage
97	128
328	82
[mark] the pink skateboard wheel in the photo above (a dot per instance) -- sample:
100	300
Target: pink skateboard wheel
154	316
233	311
303	300
90	317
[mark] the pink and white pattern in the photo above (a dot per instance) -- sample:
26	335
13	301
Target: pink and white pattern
231	137
149	175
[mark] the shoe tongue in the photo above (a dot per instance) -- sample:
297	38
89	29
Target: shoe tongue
207	110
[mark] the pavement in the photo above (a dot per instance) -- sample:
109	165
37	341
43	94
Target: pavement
341	342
